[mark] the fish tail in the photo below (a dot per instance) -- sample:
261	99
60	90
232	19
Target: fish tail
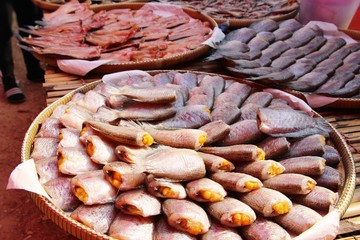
323	127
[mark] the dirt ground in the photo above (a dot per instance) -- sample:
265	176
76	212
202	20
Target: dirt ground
20	218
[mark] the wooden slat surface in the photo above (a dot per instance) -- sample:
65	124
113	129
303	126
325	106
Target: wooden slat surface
346	121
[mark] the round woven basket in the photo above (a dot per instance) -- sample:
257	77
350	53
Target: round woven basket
81	231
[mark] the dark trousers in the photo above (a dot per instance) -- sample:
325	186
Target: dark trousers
26	14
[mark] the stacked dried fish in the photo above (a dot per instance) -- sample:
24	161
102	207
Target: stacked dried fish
199	166
121	35
233	9
293	56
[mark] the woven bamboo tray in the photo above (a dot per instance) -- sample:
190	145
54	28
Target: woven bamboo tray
160	63
81	231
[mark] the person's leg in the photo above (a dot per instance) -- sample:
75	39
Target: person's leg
12	92
26	14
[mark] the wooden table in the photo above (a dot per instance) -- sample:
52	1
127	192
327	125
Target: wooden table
346	121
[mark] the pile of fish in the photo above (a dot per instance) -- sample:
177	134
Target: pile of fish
187	155
294	56
122	35
246	9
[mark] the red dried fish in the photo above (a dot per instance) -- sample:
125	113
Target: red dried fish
205	190
237	182
291	183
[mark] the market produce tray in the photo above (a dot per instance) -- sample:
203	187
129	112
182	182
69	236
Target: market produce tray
152	64
235	22
334	102
62	219
52	5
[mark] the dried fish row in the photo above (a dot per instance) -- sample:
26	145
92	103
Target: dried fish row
193	187
305	60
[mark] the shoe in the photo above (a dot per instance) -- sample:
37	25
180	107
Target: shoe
36	76
15	95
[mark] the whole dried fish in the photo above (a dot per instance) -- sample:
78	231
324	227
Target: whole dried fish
230	49
131	227
100	150
249	111
264	228
330	178
123	176
215	163
186	216
162	188
267	202
262	99
291	24
205	190
261	169
244	35
327	49
308	146
59	190
245	131
268	25
138	202
215	131
290	123
275	49
44	148
335	83
291	183
331	155
47	169
299	219
70	138
97	217
236	181
282	34
300	37
308	82
231	212
306	165
163	231
92	188
50	128
274	146
219	231
237	153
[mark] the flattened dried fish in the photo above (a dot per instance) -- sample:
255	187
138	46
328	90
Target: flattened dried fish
219	231
335	83
268	36
282	76
231	212
291	24
205	190
327	49
44	148
230	49
330	178
300	37
249	111
275	49
331	156
308	146
258	43
282	34
138	202
186	216
47	169
50	128
100	150
69	138
262	99
242	34
268	25
308	82
163	231
290	123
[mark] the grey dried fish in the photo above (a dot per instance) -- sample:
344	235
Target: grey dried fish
282	34
268	36
274	147
229	49
258	43
300	37
327	49
313	45
291	24
215	131
252	71
242	34
268	25
277	76
335	83
245	131
262	99
276	49
353	58
308	82
301	67
283	62
228	113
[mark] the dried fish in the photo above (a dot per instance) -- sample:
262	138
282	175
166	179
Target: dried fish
282	34
50	128
185	164
267	202
205	190
312	145
231	212
330	178
249	111
92	101
306	165
320	198
59	190
241	132
219	231
268	36
163	188
335	83
312	46
188	80
163	231
131	227
123	176
69	137
262	99
290	123
349	89
326	50
192	116
123	135
97	217
215	131
291	183
308	82
44	148
215	163
237	153
138	202
268	25
186	216
244	35
92	188
274	147
353	58
214	82
47	169
230	49
275	49
237	182
291	24
300	37
263	228
258	43
299	219
331	156
261	169
277	76
74	161
100	150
